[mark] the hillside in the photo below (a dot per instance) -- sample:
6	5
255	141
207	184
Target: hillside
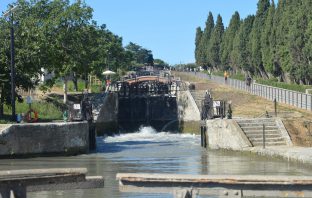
246	105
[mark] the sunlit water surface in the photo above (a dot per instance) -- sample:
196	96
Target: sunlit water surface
148	151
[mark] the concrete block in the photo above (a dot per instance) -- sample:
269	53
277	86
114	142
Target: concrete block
44	138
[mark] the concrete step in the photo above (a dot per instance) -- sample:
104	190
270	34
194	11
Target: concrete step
260	130
263	120
269	144
267	139
261	135
257	124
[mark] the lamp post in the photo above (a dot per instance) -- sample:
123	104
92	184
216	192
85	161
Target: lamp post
9	13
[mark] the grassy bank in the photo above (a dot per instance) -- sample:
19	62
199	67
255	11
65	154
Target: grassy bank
81	86
47	111
269	82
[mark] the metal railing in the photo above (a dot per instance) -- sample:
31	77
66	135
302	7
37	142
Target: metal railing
293	98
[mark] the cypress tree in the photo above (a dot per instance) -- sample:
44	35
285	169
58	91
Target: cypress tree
203	46
268	41
298	67
241	54
198	37
263	6
228	38
214	47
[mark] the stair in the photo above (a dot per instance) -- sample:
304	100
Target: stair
253	128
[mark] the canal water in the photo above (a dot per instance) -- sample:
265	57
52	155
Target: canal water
148	151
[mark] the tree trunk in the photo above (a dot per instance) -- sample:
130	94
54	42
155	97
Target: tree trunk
1	102
75	81
86	80
65	90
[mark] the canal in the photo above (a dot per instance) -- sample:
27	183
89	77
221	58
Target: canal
148	151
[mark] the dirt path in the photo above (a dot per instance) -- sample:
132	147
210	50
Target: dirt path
250	106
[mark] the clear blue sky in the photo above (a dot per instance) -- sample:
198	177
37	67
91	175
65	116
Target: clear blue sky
167	27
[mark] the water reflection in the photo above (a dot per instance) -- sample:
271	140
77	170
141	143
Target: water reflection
150	152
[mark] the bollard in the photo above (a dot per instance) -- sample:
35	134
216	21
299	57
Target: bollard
263	136
205	136
275	107
201	137
92	135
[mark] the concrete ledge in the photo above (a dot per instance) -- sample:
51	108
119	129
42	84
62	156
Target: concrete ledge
187	108
289	153
284	132
90	182
226	134
38	139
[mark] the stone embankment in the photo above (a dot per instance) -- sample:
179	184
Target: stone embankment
23	140
238	135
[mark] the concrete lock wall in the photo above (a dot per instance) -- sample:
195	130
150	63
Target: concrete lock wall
226	134
107	122
44	138
188	113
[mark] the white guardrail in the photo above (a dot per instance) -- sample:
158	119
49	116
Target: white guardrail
293	98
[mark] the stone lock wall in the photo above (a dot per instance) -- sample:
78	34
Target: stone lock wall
44	139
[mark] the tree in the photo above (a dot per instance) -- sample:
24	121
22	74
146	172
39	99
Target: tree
241	54
214	47
263	6
199	34
268	42
204	42
141	55
228	38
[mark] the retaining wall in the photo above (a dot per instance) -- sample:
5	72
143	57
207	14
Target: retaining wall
44	139
188	113
226	134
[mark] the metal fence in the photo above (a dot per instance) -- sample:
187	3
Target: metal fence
293	98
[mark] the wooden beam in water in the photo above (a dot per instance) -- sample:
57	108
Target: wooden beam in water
23	181
218	185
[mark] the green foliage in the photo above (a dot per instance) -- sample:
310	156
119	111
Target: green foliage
275	43
228	39
274	82
46	110
214	46
141	55
202	47
61	37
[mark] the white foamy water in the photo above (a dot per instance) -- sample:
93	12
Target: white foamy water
150	134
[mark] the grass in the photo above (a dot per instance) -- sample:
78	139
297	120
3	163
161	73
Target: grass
294	87
47	111
269	82
81	86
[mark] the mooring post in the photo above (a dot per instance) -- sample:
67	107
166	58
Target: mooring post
92	135
205	136
201	136
263	136
275	107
